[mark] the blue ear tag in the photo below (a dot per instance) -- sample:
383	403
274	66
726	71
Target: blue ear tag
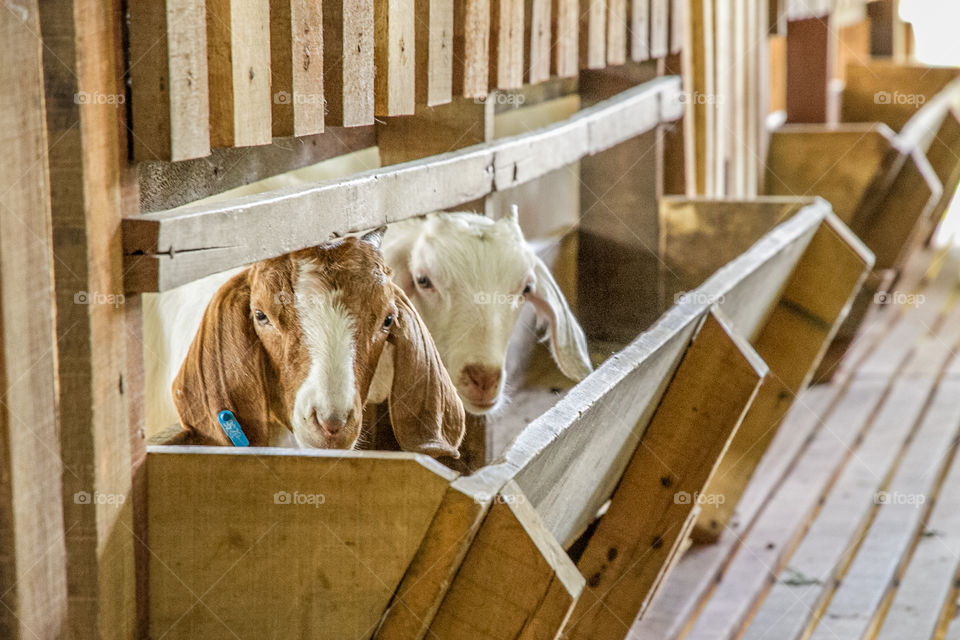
232	428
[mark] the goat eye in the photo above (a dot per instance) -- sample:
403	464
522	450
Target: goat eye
424	282
261	317
526	290
388	321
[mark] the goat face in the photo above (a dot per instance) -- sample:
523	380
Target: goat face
294	341
469	277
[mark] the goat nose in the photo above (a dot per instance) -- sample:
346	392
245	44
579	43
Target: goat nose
483	378
331	425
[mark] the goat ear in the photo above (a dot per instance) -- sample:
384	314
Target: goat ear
375	237
568	344
225	368
425	410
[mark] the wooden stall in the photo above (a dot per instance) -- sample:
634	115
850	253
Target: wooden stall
706	311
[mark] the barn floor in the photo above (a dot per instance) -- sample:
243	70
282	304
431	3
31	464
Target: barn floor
850	527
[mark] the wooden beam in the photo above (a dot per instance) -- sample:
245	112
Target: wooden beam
593	16
659	28
791	341
33	562
471	47
296	67
82	44
643	529
394	57
204	239
616	32
238	63
808	69
348	74
170	103
434	51
639	30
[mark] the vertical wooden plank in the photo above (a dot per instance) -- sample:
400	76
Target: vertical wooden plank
87	171
643	528
695	111
33	577
514	568
471	47
738	102
537	41
394	57
434	51
722	96
659	28
348	67
677	20
565	34
593	16
616	32
639	30
807	70
792	341
168	73
238	61
296	67
506	44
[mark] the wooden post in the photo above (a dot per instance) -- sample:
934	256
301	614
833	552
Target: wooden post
394	57
348	69
434	51
296	67
33	576
471	47
808	69
506	44
791	342
87	171
644	529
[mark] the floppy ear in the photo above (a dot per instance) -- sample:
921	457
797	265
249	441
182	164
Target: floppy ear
425	410
568	344
225	368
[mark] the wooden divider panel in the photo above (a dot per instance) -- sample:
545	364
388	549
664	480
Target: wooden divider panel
33	573
434	51
348	67
506	44
883	91
238	63
296	67
516	581
639	16
791	341
657	499
282	543
659	28
616	32
842	164
168	73
471	47
394	57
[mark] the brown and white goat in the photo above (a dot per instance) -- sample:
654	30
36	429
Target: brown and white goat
291	344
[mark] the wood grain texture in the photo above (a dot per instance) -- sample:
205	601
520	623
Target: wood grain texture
537	50
238	64
471	47
87	177
791	341
33	562
204	238
506	44
639	30
168	73
565	38
616	32
512	548
324	508
643	528
296	67
434	51
593	32
348	69
394	27
659	28
807	70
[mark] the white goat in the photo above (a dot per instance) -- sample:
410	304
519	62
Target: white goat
469	277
